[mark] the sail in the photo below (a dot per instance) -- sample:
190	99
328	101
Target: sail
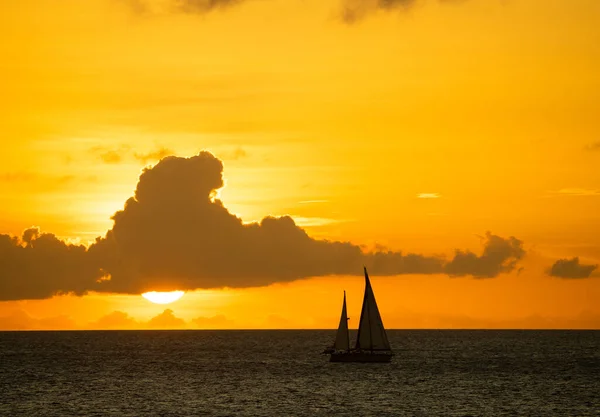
371	333
342	339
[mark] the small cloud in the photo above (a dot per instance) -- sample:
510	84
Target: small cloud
124	152
315	221
571	268
115	320
428	195
17	177
110	155
66	179
313	201
355	10
593	146
234	155
153	156
166	320
578	192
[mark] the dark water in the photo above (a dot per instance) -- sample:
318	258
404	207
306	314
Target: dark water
281	373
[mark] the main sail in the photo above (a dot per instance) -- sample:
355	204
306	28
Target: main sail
371	333
342	339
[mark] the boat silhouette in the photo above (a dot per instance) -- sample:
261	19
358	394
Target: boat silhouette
372	343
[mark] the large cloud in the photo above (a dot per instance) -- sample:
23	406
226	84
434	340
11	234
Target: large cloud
571	268
174	234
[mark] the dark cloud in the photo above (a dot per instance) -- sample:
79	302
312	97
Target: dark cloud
355	10
499	256
202	6
571	268
39	265
146	7
174	234
593	146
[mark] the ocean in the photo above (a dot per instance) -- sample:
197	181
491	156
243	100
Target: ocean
282	373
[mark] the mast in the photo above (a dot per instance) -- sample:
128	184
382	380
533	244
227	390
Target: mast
371	333
342	339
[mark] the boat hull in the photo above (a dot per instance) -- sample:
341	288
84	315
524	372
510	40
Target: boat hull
362	357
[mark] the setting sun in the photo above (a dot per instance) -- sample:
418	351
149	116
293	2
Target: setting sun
163	297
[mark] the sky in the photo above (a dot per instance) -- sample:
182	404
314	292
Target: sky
257	153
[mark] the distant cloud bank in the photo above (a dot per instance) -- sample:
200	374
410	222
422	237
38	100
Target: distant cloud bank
174	234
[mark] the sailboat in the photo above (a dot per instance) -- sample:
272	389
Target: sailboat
372	344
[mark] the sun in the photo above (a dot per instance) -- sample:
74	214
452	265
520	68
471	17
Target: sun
163	297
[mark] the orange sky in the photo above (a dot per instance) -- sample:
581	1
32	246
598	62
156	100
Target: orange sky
489	107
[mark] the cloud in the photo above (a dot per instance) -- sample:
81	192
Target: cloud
313	202
593	146
351	10
20	320
124	152
39	265
166	320
355	10
110	156
428	195
153	156
115	320
202	6
145	7
122	320
499	256
174	234
578	192
16	177
571	268
234	155
44	181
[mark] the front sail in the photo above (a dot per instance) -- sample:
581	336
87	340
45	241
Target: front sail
342	339
371	333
